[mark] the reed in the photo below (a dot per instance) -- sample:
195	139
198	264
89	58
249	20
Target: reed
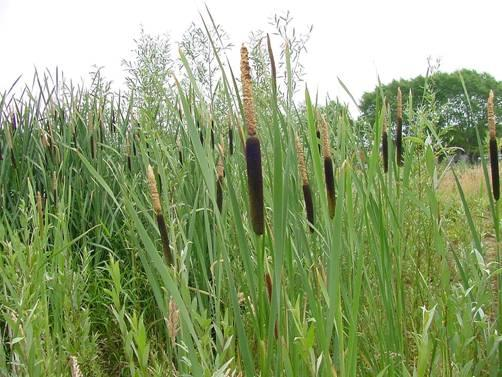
328	168
494	160
253	152
399	128
307	192
157	208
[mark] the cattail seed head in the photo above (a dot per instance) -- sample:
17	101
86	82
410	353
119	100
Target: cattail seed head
330	185
220	172
493	150
301	162
399	128
325	138
247	93
491	116
75	368
307	192
154	194
328	168
255	184
253	152
385	145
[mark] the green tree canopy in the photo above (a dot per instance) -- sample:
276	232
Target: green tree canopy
450	103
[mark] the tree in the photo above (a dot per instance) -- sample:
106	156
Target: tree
455	119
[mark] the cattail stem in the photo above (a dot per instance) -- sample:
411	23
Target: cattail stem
399	128
157	208
494	160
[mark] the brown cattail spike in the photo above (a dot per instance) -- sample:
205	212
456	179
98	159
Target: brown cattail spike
399	129
154	194
247	93
255	184
307	192
494	161
253	152
385	145
328	168
219	178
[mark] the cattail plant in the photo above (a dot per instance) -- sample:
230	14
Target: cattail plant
219	178
157	208
253	153
307	192
328	168
180	149
385	145
494	161
399	128
212	134
230	138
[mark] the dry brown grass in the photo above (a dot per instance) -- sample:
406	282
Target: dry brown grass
471	179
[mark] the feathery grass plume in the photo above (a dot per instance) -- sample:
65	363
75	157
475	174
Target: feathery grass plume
494	161
253	153
307	192
385	144
272	65
328	168
219	177
157	209
75	368
399	128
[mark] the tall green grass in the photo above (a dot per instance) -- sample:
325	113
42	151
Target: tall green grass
392	283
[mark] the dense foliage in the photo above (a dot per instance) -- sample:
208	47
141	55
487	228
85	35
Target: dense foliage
398	278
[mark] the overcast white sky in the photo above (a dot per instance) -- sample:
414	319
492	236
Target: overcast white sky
352	39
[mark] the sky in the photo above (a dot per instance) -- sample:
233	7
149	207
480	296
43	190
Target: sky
357	40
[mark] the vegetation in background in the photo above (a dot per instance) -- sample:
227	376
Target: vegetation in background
129	247
457	116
